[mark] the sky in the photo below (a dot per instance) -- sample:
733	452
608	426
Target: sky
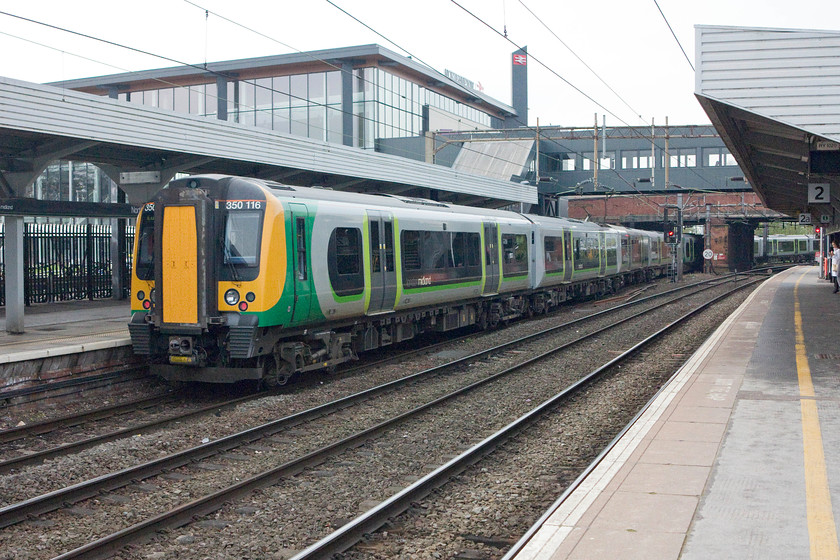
614	58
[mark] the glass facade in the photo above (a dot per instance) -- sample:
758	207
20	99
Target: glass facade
73	182
384	105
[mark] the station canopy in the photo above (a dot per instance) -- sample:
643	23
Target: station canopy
774	97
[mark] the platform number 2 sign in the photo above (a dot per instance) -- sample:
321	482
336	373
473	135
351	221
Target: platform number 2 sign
819	193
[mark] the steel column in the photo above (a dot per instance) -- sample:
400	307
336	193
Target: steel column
14	274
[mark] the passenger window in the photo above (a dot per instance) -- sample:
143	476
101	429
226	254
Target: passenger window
375	265
514	254
344	261
389	247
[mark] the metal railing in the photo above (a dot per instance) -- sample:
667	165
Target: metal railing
66	262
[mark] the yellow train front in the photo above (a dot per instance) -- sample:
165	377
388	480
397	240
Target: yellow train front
208	282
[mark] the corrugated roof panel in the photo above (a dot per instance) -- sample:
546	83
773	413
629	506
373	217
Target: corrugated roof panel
45	109
792	76
499	160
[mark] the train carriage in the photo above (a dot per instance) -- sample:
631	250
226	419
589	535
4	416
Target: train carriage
784	248
247	279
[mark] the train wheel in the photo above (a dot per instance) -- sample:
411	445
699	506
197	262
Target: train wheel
276	376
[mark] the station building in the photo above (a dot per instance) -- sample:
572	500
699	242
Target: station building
356	96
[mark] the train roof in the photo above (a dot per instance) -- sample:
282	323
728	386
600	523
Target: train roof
281	190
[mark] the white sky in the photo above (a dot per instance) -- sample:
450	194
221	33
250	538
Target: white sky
626	42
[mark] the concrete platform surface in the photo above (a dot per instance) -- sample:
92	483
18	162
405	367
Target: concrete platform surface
66	328
739	457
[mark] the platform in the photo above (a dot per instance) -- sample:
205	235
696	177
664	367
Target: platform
64	340
66	327
739	457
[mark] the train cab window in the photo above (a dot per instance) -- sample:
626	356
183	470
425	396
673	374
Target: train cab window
242	236
240	246
300	237
514	254
146	248
344	261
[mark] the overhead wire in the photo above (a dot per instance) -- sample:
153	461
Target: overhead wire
675	35
588	67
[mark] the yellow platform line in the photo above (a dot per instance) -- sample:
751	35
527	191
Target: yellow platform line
821	529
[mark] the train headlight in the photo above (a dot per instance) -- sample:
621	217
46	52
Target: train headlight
141	295
152	294
231	297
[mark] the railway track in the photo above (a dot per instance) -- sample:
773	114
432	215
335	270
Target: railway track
212	501
24	453
10	398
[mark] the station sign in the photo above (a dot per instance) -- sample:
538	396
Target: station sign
469	84
819	193
140	178
805	218
827	146
64	208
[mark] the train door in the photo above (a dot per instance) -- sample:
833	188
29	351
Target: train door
383	272
300	260
568	265
602	252
179	274
491	258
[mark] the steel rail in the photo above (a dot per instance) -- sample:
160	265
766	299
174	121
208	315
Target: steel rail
68	383
355	531
71	420
39	456
202	506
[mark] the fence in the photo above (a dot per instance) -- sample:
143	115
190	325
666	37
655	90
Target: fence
69	262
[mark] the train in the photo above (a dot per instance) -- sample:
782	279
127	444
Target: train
245	279
785	248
